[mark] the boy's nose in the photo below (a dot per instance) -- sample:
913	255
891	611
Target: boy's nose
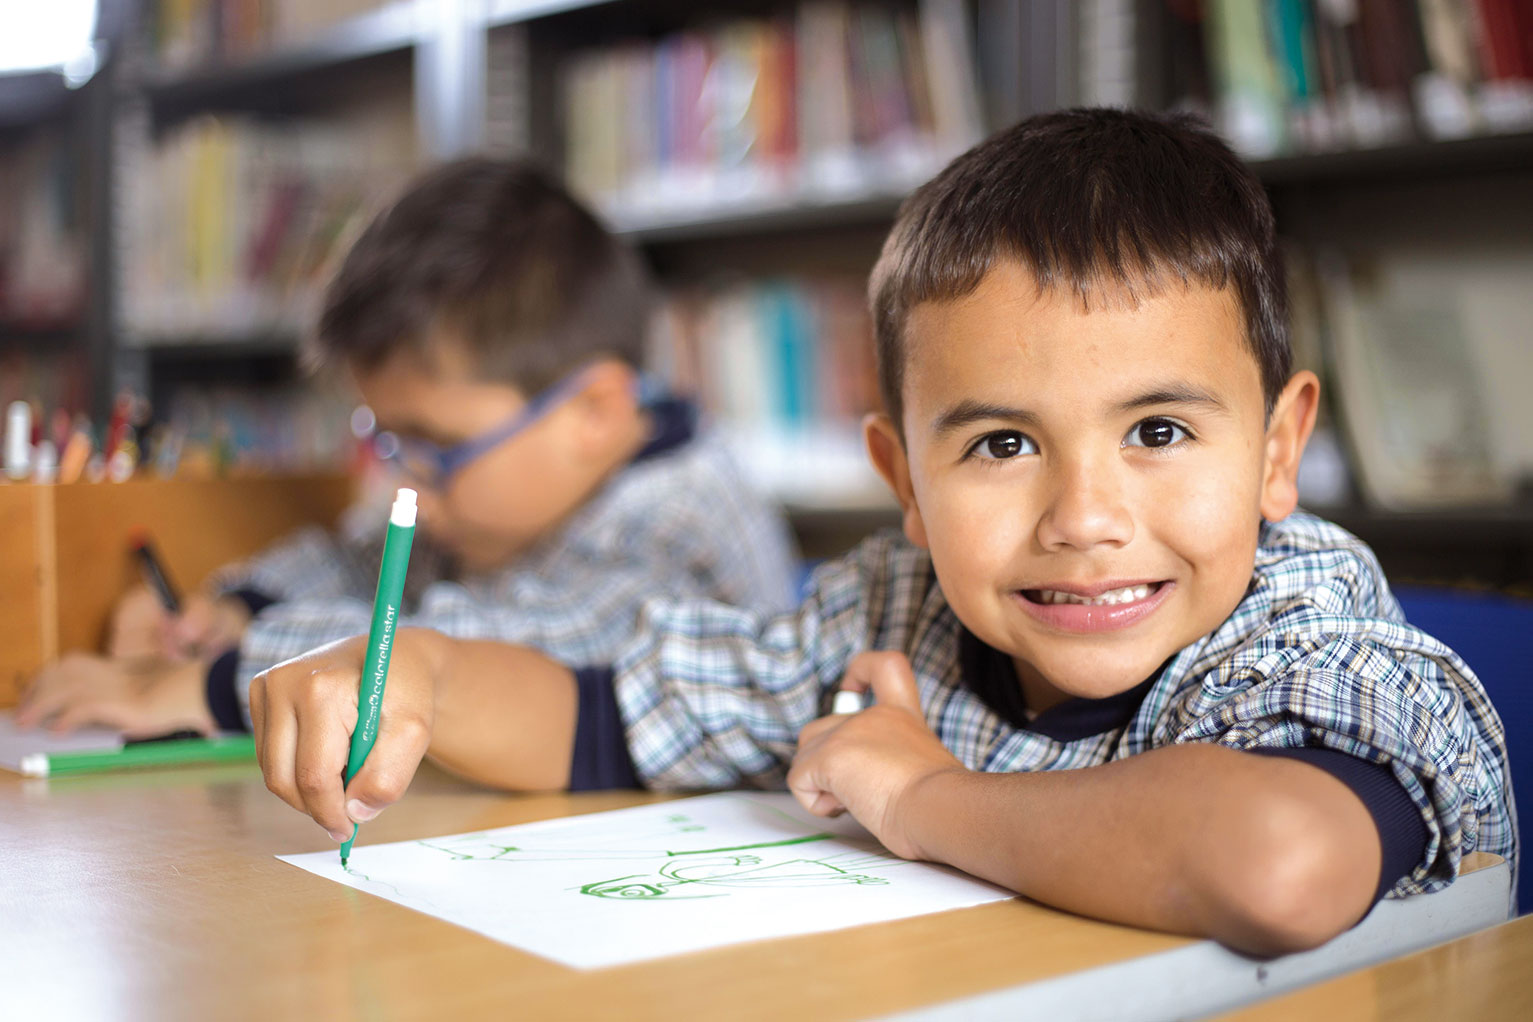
1086	508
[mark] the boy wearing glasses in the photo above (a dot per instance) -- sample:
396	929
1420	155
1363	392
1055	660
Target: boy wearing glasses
495	329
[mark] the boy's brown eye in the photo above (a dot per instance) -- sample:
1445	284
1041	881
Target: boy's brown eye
1000	446
1154	433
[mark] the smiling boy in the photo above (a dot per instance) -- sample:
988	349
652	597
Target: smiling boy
1112	668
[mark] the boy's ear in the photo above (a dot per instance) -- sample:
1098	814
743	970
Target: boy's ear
1293	419
887	451
608	403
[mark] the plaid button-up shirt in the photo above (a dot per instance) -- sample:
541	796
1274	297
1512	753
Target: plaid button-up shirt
1318	653
682	523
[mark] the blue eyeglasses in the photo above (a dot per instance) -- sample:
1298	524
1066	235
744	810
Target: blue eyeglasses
435	466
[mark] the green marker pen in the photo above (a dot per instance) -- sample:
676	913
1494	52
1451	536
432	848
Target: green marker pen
380	638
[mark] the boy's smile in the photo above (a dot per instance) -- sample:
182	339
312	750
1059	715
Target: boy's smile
1090	484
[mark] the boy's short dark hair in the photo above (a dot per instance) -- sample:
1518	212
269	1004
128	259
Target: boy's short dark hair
1089	199
498	255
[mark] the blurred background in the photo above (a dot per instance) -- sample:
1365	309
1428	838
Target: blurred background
178	177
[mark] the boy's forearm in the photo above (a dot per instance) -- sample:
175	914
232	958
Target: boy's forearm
504	714
1265	855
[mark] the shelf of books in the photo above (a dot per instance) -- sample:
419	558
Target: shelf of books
219	45
43	233
784	368
1288	77
815	115
828	109
234	223
232	215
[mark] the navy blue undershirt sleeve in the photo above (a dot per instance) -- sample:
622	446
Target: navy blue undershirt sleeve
1403	833
254	600
223	702
600	759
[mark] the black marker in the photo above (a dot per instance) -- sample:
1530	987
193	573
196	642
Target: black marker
154	573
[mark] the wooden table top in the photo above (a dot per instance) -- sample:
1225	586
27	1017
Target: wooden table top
1486	976
155	895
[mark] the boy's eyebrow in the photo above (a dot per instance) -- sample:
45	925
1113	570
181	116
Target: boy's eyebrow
1175	394
968	412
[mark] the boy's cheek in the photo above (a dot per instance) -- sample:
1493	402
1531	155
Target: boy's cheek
977	526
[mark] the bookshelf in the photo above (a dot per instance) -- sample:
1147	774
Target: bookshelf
210	78
1440	125
55	271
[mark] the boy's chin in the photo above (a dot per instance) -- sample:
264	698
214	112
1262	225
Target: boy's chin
1099	683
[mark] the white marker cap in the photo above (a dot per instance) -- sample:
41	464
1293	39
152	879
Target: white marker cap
403	511
847	702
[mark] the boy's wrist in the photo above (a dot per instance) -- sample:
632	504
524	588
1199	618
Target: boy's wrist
430	647
173	696
927	808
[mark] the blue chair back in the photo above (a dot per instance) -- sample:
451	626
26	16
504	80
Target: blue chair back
1494	635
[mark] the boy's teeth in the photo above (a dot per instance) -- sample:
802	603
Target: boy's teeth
1128	594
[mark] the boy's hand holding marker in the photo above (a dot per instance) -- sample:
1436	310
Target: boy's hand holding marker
869	761
503	715
206	626
340	731
305	710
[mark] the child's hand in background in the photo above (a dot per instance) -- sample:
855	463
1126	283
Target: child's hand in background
138	627
304	710
206	626
866	763
143	628
142	698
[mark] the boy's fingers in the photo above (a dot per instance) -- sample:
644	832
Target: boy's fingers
277	745
894	683
257	696
46	696
100	712
887	675
319	760
402	742
817	727
827	805
805	786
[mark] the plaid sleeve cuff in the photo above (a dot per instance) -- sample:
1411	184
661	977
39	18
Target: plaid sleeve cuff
600	759
1403	833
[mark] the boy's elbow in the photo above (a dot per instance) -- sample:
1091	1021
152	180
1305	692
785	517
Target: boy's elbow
1301	889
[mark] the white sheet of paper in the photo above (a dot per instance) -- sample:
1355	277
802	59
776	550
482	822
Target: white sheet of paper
622	886
16	743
